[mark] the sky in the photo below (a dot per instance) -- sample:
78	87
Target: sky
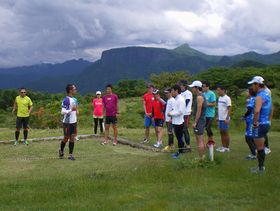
53	31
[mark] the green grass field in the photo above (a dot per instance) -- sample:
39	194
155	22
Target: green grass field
124	178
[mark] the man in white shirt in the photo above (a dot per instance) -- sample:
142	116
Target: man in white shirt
177	116
69	110
188	98
224	113
170	105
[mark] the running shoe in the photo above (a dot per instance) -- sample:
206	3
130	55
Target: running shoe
16	143
26	142
224	149
77	138
258	170
251	157
176	155
115	142
60	154
267	150
104	142
145	141
219	148
167	149
71	157
158	145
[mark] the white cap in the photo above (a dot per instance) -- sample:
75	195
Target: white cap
98	93
256	79
196	83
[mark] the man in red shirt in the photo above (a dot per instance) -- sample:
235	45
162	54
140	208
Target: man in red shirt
148	99
158	116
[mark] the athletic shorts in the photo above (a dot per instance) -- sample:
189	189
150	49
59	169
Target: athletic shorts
159	122
209	122
111	120
261	131
199	129
69	129
22	122
148	121
169	127
223	125
249	129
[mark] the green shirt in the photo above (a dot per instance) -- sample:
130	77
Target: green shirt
23	105
210	98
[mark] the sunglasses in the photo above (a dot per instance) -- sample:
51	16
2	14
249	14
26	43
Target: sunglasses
23	92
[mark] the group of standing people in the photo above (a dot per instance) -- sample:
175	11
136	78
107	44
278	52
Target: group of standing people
200	102
175	113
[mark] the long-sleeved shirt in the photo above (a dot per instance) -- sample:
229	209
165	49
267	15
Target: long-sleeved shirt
179	110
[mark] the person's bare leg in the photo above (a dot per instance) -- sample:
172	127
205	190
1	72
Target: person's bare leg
115	132
106	135
147	132
201	145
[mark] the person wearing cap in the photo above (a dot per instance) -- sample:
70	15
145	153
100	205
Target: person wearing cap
210	110
177	115
261	121
266	143
170	106
97	112
199	110
224	113
188	97
158	116
148	99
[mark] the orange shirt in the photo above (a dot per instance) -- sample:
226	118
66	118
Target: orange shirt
158	110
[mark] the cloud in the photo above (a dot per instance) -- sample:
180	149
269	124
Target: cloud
33	31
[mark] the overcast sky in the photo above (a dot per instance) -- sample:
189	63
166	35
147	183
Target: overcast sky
35	31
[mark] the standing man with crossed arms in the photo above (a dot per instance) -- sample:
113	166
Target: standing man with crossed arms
23	105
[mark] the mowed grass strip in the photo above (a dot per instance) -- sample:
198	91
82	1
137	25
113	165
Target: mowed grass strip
124	178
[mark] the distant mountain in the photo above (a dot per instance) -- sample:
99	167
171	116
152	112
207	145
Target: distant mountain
36	76
124	63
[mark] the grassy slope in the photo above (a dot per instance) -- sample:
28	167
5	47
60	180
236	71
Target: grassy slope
123	178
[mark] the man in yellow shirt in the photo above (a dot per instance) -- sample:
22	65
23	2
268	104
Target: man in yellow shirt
23	106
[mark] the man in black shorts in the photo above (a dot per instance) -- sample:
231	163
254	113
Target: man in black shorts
200	105
23	105
69	110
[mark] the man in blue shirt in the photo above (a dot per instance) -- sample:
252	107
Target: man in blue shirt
261	121
210	110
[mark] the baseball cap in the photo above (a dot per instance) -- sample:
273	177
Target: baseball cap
256	79
196	83
98	93
167	90
156	91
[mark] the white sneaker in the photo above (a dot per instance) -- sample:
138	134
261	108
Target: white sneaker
158	145
219	148
224	149
267	150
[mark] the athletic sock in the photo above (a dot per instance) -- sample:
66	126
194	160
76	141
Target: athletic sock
170	139
261	158
16	135
62	145
251	144
25	134
266	141
71	147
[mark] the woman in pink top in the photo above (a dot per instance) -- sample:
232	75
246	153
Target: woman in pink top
97	113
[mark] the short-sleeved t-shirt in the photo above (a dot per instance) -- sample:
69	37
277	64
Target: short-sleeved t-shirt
23	104
97	104
187	95
210	98
67	104
110	103
148	99
223	103
170	106
250	104
265	111
158	110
